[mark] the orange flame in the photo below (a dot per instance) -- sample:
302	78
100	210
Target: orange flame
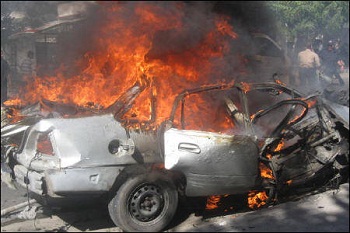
280	82
279	146
13	115
298	116
311	103
265	172
256	199
245	87
212	202
13	102
128	49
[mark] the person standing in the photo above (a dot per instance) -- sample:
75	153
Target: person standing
330	60
5	71
308	64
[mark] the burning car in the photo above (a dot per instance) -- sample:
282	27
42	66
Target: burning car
112	120
264	137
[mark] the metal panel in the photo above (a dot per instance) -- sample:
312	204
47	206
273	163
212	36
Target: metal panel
213	163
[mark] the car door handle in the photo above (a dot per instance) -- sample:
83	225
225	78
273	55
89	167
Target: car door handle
193	148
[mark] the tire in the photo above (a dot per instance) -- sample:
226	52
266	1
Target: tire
145	202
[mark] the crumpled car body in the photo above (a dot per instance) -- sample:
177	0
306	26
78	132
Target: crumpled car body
217	152
82	155
69	157
313	132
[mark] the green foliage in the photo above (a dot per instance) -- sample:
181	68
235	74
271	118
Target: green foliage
310	18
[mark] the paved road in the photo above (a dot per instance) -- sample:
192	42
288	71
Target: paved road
327	211
324	212
10	197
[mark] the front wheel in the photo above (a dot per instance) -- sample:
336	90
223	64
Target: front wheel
145	202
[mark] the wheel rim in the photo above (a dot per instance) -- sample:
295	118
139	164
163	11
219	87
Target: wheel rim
146	202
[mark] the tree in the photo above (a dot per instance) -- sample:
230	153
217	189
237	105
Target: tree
307	19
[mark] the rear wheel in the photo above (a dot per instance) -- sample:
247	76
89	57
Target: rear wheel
145	202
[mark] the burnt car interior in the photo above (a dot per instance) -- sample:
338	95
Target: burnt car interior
297	140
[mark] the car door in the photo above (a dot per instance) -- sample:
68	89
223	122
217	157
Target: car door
215	160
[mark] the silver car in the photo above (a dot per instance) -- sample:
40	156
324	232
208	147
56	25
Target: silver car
214	148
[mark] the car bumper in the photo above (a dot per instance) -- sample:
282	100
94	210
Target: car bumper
63	182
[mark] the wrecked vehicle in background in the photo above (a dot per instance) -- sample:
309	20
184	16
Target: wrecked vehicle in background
333	91
241	137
